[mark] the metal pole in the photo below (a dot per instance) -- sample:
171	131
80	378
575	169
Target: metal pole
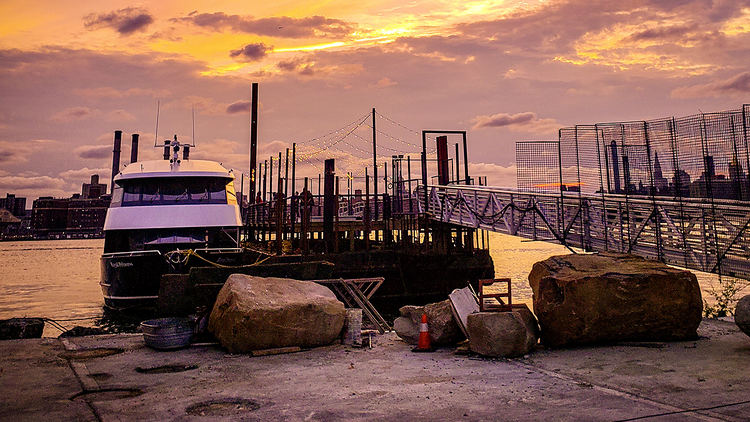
466	161
265	179
375	163
295	207
253	140
458	165
424	169
286	175
294	166
281	187
270	180
366	217
305	218
279	217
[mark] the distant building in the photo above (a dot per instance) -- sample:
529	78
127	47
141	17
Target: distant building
49	215
94	189
661	184
87	215
80	215
9	224
16	206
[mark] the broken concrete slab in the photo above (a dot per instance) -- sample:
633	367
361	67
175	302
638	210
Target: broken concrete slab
463	303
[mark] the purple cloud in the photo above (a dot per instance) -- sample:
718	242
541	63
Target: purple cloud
502	119
241	106
526	121
251	52
738	85
94	151
669	33
74	114
280	26
124	21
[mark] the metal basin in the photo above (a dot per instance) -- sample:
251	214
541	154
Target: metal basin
167	333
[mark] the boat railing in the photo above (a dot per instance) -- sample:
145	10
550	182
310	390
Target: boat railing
220	250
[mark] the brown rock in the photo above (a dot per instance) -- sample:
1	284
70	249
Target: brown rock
742	314
444	329
609	297
501	334
254	313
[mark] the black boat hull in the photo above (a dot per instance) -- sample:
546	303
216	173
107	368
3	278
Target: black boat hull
132	280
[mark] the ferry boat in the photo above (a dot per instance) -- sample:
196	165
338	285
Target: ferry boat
166	216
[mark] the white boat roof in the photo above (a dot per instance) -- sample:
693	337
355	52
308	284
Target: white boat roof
163	168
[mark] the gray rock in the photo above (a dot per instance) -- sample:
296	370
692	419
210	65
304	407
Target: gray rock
444	329
742	314
501	334
255	313
609	297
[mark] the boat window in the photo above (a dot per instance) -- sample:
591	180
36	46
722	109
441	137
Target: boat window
132	193
151	192
175	190
199	193
116	196
218	192
182	190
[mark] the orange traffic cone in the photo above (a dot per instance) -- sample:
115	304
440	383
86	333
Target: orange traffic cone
424	337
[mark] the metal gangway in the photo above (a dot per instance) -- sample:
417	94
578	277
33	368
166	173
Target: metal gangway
710	236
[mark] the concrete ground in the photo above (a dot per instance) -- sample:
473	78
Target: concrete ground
118	378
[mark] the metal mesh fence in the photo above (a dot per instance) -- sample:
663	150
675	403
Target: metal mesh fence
673	189
538	166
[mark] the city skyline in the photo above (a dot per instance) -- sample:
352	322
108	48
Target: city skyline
504	71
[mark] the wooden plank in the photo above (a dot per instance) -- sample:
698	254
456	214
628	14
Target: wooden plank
277	351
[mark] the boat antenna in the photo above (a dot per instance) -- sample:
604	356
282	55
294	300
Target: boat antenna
193	106
156	132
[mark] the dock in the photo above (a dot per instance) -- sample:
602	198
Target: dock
118	378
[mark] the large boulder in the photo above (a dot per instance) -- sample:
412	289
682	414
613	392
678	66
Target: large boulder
255	313
444	329
609	297
742	314
502	334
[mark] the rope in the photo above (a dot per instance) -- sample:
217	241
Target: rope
55	324
188	253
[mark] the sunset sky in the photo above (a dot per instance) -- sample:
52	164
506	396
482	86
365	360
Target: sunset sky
73	72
